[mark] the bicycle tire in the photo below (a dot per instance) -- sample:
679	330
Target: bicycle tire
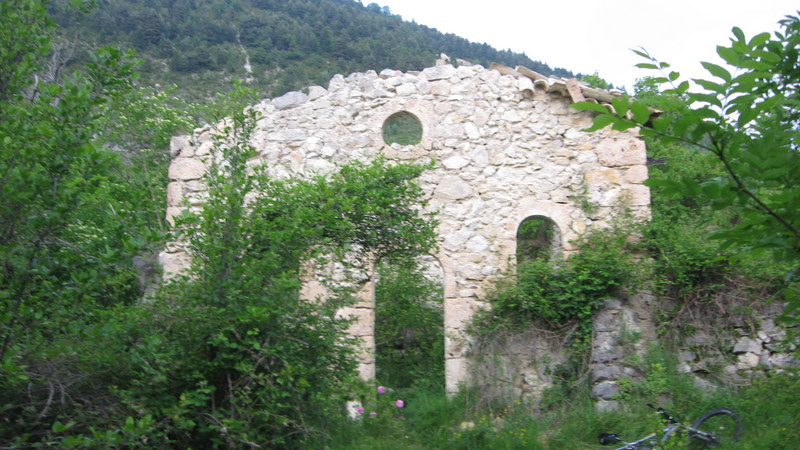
723	423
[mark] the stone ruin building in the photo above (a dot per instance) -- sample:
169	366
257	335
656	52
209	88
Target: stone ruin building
507	145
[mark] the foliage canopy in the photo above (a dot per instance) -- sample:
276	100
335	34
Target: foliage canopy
748	120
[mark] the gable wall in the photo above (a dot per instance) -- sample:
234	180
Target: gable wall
504	151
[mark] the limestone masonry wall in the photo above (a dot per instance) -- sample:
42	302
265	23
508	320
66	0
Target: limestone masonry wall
507	147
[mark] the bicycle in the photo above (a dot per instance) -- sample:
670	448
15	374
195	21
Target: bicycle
715	428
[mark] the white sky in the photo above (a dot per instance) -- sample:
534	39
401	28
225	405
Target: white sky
595	35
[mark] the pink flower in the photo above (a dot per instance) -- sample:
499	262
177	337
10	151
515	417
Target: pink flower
360	410
381	389
399	403
373	414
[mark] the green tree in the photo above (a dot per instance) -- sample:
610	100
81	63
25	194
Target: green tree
595	80
748	121
234	356
69	225
58	250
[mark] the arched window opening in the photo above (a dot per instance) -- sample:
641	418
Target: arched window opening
409	323
402	128
537	238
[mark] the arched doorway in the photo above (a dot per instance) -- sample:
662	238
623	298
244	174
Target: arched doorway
409	323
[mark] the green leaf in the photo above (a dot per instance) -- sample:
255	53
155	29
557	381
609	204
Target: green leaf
682	88
758	40
622	125
665	186
738	33
641	113
711	86
662	123
647	66
681	125
589	106
705	98
59	427
643	53
601	121
717	71
729	55
620	105
755	65
746	114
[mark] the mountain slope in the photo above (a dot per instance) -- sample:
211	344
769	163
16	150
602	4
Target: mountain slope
277	45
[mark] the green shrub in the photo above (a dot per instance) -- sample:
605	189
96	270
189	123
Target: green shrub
566	292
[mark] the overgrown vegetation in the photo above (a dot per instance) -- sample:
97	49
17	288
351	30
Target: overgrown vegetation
744	125
229	355
769	408
559	293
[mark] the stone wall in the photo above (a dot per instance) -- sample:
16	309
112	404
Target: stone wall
507	147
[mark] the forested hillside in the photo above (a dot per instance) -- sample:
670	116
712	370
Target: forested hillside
285	44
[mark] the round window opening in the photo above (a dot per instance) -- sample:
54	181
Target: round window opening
402	128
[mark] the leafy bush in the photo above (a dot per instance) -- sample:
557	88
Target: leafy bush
253	361
566	292
747	122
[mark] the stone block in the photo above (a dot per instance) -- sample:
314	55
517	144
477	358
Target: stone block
438	72
406	89
606	406
602	177
440	88
605	390
173	264
172	213
635	175
607	354
288	135
478	244
365	350
456	344
181	146
747	360
607	372
366	371
746	344
452	188
174	193
315	92
458	312
638	195
290	100
455	162
456	373
186	169
363	321
621	152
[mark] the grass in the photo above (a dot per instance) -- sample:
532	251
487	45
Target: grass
770	408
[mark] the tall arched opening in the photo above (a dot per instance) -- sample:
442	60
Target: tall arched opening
409	323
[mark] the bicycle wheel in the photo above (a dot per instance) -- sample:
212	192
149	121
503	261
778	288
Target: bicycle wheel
716	428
